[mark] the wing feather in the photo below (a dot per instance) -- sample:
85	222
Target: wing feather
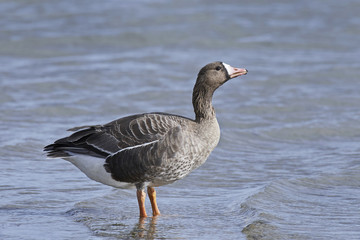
141	162
105	140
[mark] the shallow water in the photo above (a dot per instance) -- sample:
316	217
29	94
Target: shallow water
287	165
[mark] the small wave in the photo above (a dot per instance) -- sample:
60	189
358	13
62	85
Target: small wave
321	207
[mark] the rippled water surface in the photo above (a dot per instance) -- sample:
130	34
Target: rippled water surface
287	165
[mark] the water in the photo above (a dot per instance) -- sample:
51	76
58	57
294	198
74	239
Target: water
287	165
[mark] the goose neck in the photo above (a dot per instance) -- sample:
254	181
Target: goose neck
202	102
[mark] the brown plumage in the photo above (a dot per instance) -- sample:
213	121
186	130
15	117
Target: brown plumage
150	149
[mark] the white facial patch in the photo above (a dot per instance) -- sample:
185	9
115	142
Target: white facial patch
229	68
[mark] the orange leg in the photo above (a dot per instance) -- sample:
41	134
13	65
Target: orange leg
141	195
152	195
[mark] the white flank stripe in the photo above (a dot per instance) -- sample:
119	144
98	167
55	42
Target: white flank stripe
101	149
132	147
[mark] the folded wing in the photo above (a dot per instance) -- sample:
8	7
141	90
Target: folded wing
105	140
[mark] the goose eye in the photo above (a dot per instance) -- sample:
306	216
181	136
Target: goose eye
218	68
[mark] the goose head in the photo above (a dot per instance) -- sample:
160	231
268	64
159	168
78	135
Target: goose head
213	75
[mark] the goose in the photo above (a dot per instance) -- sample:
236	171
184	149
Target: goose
151	149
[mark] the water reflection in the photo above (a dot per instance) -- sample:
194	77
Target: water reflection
116	225
143	229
